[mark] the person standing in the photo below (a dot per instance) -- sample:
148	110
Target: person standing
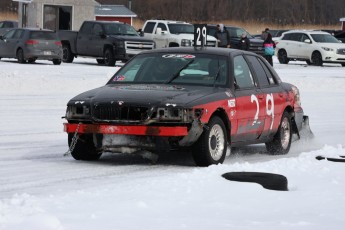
222	36
245	42
265	33
269	46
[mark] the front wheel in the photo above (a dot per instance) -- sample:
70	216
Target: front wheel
212	144
56	61
316	58
282	140
84	149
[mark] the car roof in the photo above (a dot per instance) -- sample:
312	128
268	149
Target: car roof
307	31
214	25
201	50
167	21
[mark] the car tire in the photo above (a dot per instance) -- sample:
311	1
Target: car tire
56	61
84	148
212	144
109	59
342	64
282	139
20	56
317	58
67	55
309	62
282	57
100	61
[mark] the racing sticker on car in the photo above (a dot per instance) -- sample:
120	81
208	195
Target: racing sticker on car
186	56
269	109
232	103
119	78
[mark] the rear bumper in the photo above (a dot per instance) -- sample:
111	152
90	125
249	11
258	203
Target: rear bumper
140	130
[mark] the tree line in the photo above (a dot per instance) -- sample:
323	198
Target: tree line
281	12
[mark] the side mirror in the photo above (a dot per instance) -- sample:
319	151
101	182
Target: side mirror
307	41
1	37
159	31
141	33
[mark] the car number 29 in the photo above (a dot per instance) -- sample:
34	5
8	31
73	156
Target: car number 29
269	107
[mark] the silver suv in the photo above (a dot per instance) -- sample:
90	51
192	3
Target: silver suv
314	47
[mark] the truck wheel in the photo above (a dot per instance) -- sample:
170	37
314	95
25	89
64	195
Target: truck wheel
67	55
109	59
20	56
84	148
212	144
282	139
56	61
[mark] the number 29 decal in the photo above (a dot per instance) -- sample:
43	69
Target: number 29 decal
269	107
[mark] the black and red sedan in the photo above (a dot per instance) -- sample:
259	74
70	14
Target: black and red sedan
202	99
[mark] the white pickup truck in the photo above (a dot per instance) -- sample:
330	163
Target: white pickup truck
168	33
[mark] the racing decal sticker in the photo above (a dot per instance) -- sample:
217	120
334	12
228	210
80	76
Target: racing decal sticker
149	87
231	103
119	78
186	56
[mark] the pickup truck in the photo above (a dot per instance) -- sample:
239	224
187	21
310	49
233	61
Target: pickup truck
167	33
108	42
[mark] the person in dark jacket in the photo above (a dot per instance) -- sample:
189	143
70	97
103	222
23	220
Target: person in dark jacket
245	42
269	46
222	36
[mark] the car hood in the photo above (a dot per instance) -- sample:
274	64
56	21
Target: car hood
150	95
191	37
332	45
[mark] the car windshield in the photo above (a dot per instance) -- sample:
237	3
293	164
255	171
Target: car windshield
43	35
120	29
181	28
174	68
324	38
236	32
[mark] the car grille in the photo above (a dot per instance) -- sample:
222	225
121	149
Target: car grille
133	45
122	113
341	51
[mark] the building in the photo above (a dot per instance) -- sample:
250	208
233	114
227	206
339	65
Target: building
55	14
114	13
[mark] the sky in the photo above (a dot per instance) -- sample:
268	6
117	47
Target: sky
42	189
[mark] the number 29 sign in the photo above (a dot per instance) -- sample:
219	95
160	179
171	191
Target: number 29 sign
200	35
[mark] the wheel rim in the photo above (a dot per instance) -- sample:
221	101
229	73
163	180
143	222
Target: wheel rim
216	142
285	133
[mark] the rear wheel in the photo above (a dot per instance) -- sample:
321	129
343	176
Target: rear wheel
67	55
282	140
309	62
211	146
282	57
32	60
84	148
342	64
56	61
109	59
316	58
100	61
20	56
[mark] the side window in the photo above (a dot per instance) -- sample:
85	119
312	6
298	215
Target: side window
304	37
97	29
18	34
86	28
162	26
297	37
242	74
149	27
10	34
271	79
259	71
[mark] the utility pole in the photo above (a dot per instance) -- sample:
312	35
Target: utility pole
130	4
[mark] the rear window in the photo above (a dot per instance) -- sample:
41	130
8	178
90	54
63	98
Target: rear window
43	35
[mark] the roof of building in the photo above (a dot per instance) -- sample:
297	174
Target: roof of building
113	10
342	19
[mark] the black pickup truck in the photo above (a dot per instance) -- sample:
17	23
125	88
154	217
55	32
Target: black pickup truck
108	42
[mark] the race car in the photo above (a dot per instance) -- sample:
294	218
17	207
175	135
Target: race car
203	100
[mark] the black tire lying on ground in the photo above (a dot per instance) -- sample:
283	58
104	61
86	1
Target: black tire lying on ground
267	180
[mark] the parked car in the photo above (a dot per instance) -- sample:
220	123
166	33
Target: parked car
30	44
167	33
235	38
105	41
314	47
7	25
275	34
186	98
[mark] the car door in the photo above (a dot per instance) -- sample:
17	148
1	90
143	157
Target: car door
7	44
274	97
161	35
249	103
303	49
83	38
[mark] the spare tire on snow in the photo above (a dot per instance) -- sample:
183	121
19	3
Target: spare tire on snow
267	180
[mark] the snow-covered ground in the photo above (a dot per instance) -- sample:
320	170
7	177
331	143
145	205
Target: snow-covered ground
41	189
